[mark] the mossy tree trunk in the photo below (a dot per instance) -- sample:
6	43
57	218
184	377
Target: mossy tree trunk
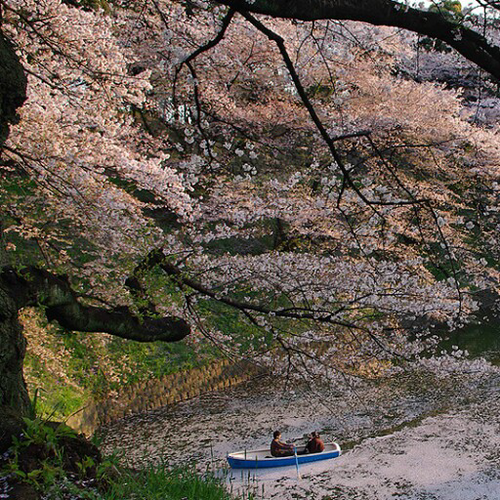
14	401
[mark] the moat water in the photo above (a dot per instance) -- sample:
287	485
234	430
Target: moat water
415	435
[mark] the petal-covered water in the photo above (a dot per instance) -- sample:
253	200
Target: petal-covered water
413	436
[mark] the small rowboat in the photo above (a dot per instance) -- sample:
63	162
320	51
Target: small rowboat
259	459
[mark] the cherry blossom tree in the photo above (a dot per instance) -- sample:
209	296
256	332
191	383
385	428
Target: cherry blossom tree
433	23
285	190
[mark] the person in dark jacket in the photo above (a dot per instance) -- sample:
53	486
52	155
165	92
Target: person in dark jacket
315	444
280	449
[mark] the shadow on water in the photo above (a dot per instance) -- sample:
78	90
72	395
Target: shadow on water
413	423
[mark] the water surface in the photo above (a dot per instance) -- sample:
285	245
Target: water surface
413	436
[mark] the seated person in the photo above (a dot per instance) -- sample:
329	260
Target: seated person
315	444
280	449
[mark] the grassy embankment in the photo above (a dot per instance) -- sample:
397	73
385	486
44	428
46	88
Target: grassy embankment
68	369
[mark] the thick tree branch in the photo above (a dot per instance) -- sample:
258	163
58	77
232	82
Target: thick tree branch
33	286
466	41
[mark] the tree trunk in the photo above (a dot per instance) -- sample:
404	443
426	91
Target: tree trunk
12	87
14	400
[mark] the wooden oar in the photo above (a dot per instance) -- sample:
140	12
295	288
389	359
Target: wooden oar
296	462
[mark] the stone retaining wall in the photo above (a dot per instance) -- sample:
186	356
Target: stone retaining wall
155	393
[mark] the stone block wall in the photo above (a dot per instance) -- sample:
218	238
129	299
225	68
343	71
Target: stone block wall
169	389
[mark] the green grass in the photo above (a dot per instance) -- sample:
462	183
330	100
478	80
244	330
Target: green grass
156	482
55	397
159	483
151	484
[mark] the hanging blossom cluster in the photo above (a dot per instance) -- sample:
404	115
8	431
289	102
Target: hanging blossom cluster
324	283
77	132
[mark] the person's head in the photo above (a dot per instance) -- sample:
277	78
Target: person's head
315	434
276	434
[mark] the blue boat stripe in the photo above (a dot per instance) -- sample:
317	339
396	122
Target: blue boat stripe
236	463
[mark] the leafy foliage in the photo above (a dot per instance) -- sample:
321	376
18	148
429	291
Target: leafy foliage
38	457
